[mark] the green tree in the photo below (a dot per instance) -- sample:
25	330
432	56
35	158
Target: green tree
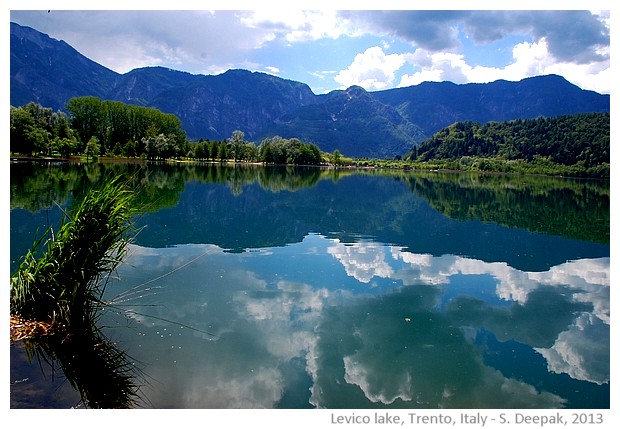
336	157
159	146
112	121
265	151
213	147
92	147
86	115
236	142
222	152
64	146
130	149
22	124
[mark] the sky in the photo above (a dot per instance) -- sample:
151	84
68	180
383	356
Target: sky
332	49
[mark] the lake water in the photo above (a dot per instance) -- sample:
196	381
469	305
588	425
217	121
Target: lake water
299	288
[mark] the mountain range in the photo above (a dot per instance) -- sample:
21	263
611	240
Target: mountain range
357	122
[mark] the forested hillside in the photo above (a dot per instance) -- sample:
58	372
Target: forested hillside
580	140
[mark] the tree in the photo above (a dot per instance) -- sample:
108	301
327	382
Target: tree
222	152
201	150
236	144
113	121
159	146
265	151
130	149
85	116
92	147
22	124
40	140
249	152
336	157
64	146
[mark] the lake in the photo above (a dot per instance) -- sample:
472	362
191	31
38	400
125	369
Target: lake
281	287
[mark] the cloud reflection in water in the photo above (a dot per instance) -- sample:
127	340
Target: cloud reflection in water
372	324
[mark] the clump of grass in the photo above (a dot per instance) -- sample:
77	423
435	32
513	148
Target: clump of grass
64	286
56	298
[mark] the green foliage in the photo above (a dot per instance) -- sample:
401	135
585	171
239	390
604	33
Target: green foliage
38	130
63	286
159	146
575	144
92	147
277	150
336	157
115	123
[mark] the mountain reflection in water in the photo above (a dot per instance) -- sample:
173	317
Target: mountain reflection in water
355	292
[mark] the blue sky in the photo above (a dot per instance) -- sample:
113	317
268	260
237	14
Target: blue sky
334	49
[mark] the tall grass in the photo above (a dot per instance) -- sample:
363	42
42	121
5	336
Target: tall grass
64	286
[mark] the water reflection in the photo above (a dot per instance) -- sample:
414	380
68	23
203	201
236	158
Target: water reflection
103	375
263	288
370	325
576	209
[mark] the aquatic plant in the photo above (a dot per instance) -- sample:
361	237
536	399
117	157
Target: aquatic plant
65	284
57	296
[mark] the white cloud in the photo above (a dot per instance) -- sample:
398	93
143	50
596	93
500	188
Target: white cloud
297	25
582	351
399	386
211	42
529	59
372	69
259	388
271	323
363	260
272	70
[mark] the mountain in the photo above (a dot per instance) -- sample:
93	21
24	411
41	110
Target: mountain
357	122
50	72
352	121
214	106
435	105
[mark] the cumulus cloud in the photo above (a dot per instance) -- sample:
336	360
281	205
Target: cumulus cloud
574	44
372	69
588	279
363	260
432	30
257	330
573	36
582	351
571	344
295	25
529	59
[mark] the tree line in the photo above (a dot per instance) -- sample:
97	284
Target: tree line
95	127
272	150
575	145
580	140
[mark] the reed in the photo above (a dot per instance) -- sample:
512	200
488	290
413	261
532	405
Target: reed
65	285
57	296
